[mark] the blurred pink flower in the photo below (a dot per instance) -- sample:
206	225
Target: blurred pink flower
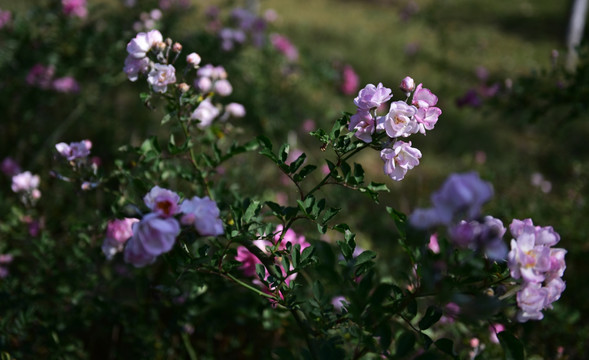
41	76
283	45
118	232
161	76
75	8
10	167
66	84
204	214
162	201
25	182
75	150
350	80
5	18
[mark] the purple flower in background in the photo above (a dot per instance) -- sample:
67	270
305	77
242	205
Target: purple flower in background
118	232
399	159
350	80
364	125
203	214
234	110
75	150
161	76
5	18
66	84
461	194
283	45
152	236
10	167
205	112
41	76
75	8
471	98
399	120
162	201
372	96
223	87
486	236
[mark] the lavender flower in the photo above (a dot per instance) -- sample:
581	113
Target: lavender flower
203	214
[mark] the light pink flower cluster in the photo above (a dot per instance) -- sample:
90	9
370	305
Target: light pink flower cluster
249	260
75	8
27	184
538	265
75	150
161	76
118	231
156	233
213	78
402	120
284	46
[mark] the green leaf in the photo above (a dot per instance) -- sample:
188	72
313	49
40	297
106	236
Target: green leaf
264	142
329	214
318	290
513	348
306	170
307	253
432	315
446	346
400	220
365	256
251	211
405	344
295	165
261	272
295	254
283	152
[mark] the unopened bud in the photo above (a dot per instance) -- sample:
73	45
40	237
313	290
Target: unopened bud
177	47
168	41
193	59
160	46
407	85
183	87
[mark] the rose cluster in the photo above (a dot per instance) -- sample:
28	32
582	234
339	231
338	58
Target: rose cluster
538	265
149	54
144	240
404	118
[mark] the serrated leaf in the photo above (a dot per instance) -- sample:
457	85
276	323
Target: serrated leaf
431	316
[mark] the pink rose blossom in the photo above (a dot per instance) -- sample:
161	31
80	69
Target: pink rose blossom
205	112
162	201
118	232
399	121
203	214
152	236
399	159
372	96
423	98
427	118
495	329
143	42
290	237
75	150
364	125
161	76
135	66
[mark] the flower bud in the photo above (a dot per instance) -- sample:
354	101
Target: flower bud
407	85
183	87
168	41
160	46
193	59
177	47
